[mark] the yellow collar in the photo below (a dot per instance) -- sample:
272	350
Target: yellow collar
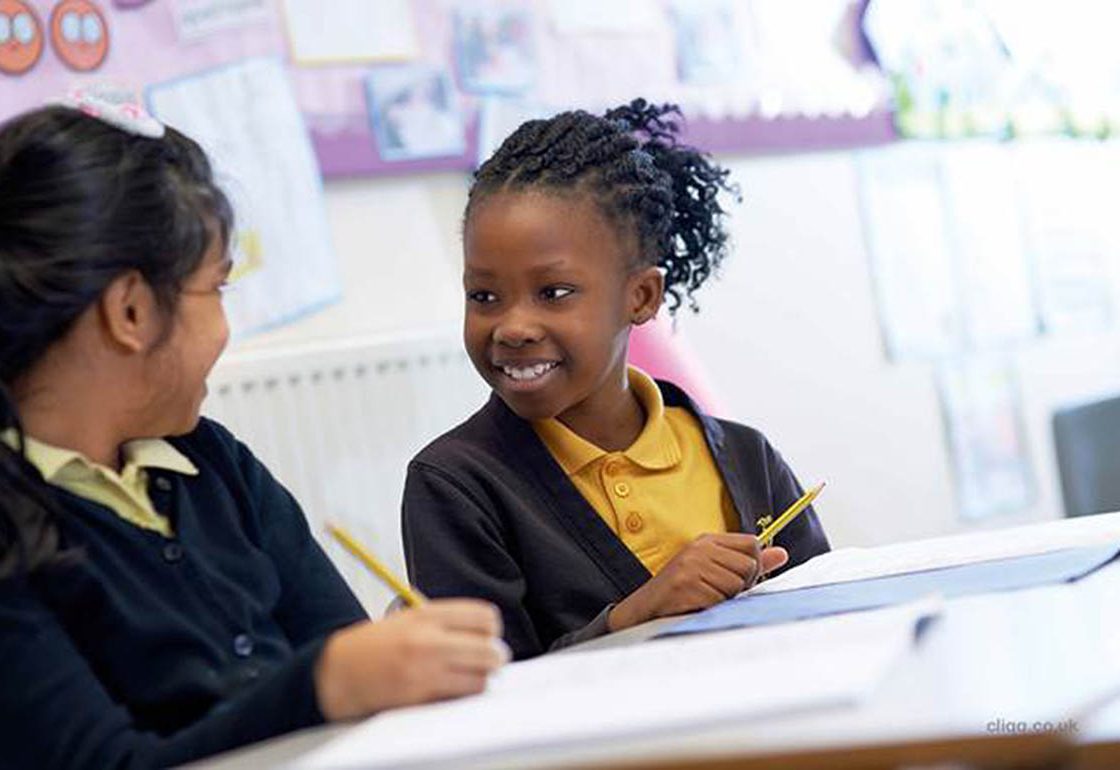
656	447
140	453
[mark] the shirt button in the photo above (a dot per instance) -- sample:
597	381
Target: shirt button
612	468
242	645
634	522
172	552
622	489
162	484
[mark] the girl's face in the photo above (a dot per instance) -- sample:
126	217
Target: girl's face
199	332
550	297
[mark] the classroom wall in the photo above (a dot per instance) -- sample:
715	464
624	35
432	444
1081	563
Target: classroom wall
789	336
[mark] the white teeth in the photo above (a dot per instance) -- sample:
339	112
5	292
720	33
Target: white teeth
529	372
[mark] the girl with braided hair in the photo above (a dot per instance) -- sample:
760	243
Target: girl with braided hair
585	497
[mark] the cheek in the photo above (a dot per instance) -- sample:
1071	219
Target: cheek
476	334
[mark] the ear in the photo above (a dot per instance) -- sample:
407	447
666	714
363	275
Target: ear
646	291
130	316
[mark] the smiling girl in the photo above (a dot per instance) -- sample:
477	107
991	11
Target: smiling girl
161	596
585	497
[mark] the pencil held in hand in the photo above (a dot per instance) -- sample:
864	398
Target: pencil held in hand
767	536
407	593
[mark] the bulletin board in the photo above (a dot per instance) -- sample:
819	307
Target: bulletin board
399	86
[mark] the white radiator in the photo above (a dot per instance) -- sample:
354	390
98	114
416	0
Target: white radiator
337	422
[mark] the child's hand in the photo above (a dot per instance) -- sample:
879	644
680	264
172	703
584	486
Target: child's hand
442	649
708	570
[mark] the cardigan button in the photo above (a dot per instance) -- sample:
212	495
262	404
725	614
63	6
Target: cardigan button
172	552
243	645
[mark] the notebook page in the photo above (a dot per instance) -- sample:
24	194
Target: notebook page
559	700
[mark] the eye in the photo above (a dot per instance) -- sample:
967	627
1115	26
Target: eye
554	293
5	28
24	28
71	27
91	28
482	297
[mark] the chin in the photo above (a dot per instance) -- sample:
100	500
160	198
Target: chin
184	426
528	409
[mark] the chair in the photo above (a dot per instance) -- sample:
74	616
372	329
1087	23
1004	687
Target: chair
1087	443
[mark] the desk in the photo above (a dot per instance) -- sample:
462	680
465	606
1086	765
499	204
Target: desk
978	682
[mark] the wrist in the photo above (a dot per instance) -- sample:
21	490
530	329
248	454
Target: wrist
625	614
332	691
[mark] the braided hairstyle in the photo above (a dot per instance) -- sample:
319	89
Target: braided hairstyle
664	193
81	203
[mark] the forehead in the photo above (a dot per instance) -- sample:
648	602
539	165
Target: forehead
533	226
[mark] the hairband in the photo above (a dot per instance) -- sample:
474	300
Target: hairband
118	108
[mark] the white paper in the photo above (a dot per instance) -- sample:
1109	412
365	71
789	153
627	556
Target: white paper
197	19
350	31
912	263
675	683
622	17
847	564
1067	191
987	234
245	116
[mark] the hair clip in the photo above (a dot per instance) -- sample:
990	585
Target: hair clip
117	107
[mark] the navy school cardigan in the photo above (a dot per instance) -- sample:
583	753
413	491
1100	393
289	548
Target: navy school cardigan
151	651
487	512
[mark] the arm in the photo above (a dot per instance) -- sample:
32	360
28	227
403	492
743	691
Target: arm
315	599
454	547
55	713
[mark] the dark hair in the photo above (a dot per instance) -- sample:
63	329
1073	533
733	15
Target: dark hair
629	160
81	203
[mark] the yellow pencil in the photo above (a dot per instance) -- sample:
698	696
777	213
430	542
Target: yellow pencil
411	596
789	515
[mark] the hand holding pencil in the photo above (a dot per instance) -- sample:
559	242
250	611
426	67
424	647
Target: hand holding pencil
709	570
433	650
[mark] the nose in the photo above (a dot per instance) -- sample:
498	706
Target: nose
517	328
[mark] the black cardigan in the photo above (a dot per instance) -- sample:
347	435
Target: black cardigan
488	512
153	651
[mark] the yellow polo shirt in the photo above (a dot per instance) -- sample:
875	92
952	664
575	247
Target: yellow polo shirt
660	493
125	493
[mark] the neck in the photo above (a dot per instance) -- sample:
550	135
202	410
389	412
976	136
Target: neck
611	419
73	408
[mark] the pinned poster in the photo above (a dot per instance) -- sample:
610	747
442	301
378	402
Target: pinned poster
907	233
986	436
1067	192
350	31
997	293
245	116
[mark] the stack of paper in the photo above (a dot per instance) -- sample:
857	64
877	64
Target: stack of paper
561	700
983	577
848	564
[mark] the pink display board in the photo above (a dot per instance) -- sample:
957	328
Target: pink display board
57	44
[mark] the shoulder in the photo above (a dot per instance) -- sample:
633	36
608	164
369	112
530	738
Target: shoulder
717	430
208	436
484	436
215	450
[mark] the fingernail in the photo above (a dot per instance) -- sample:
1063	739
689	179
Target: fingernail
504	652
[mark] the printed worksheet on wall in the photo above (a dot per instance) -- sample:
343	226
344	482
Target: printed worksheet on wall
245	117
907	233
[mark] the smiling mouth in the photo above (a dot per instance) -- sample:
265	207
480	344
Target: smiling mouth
529	373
